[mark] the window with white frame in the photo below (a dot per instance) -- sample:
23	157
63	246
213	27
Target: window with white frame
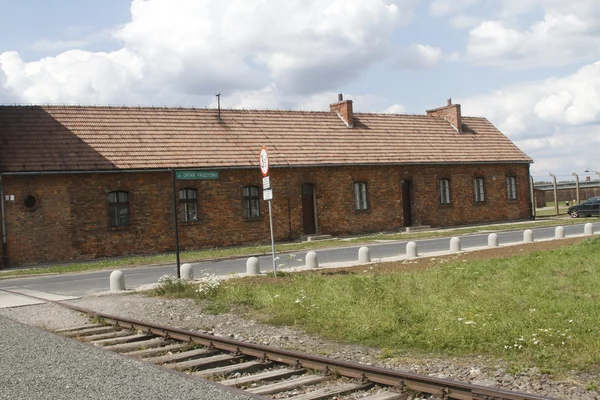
444	191
511	187
188	205
479	188
360	196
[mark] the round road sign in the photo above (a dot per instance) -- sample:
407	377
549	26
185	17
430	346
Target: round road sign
264	161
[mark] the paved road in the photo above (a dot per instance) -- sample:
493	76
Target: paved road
82	284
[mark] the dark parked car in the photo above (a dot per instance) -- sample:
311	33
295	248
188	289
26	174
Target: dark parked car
587	208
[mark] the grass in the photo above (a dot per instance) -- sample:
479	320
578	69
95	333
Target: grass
246	251
541	309
550	210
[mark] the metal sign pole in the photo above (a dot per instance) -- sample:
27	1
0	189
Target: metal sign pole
272	239
268	196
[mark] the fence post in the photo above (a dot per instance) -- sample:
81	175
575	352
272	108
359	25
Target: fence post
559	232
454	244
411	250
364	254
528	236
252	266
311	260
117	281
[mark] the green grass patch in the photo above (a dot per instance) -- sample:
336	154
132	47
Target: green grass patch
541	309
246	251
550	209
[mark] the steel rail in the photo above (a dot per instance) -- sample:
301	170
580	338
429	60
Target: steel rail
400	380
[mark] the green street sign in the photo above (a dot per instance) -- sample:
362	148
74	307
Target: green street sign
190	175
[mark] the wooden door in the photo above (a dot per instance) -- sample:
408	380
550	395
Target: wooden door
407	202
308	209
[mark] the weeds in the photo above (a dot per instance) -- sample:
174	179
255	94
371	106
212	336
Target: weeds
170	286
541	309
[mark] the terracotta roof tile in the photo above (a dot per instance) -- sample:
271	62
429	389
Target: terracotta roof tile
53	138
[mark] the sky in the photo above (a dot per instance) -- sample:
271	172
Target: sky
531	67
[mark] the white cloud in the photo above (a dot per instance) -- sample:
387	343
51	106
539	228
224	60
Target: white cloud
185	51
418	56
445	7
7	95
58	44
463	21
76	77
557	40
525	34
395	109
301	45
557	118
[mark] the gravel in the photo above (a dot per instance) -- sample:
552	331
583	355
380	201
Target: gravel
40	365
184	313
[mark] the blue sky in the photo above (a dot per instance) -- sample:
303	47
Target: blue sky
532	67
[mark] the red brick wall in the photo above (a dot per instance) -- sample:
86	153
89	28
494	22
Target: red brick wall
71	219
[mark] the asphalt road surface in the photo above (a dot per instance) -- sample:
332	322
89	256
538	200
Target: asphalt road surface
82	284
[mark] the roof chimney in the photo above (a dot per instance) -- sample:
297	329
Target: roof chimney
343	110
450	113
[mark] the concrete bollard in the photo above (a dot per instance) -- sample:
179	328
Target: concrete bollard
364	254
252	266
559	232
311	260
117	281
528	236
493	240
588	229
454	244
411	250
187	273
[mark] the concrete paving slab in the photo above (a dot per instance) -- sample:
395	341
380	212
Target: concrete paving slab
18	297
9	300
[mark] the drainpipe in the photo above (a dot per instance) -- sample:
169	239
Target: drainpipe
3	212
555	193
532	203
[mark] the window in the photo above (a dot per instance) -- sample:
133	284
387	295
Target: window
30	201
251	202
118	208
511	187
188	205
360	196
445	191
479	187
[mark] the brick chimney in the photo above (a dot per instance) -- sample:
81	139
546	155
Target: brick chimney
343	108
450	113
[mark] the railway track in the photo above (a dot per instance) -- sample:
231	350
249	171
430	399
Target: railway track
265	371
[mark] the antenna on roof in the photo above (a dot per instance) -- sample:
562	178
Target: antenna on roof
219	105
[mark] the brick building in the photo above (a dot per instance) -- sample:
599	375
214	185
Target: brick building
88	182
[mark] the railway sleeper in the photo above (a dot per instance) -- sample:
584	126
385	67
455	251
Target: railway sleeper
124	339
388	395
243	367
332	391
206	362
143	344
102	336
181	356
64	331
287	385
171	345
88	331
263	377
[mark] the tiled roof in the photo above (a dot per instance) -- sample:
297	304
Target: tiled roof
69	138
